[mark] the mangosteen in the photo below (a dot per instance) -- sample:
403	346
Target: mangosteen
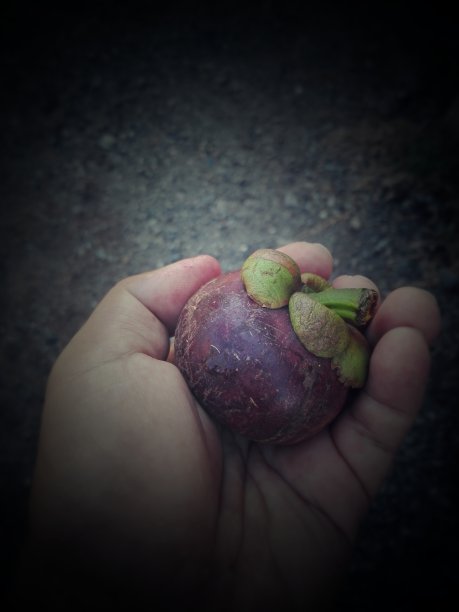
271	353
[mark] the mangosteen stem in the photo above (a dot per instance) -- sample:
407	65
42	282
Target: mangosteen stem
357	306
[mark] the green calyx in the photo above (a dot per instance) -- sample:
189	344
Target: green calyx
325	333
322	331
270	277
312	283
351	365
324	318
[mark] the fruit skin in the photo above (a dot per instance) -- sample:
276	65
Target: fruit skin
247	368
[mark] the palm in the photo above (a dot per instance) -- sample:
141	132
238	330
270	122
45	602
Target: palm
229	504
289	512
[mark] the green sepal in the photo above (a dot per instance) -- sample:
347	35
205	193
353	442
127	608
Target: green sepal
320	330
352	364
270	277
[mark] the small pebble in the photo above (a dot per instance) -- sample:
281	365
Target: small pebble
106	141
355	223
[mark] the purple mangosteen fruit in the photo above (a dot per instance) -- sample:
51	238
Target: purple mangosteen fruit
271	353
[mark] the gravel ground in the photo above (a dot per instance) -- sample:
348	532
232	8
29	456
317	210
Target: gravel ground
131	140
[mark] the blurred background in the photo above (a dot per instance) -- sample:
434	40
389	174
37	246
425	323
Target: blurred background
132	137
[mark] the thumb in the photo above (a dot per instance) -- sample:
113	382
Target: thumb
139	313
